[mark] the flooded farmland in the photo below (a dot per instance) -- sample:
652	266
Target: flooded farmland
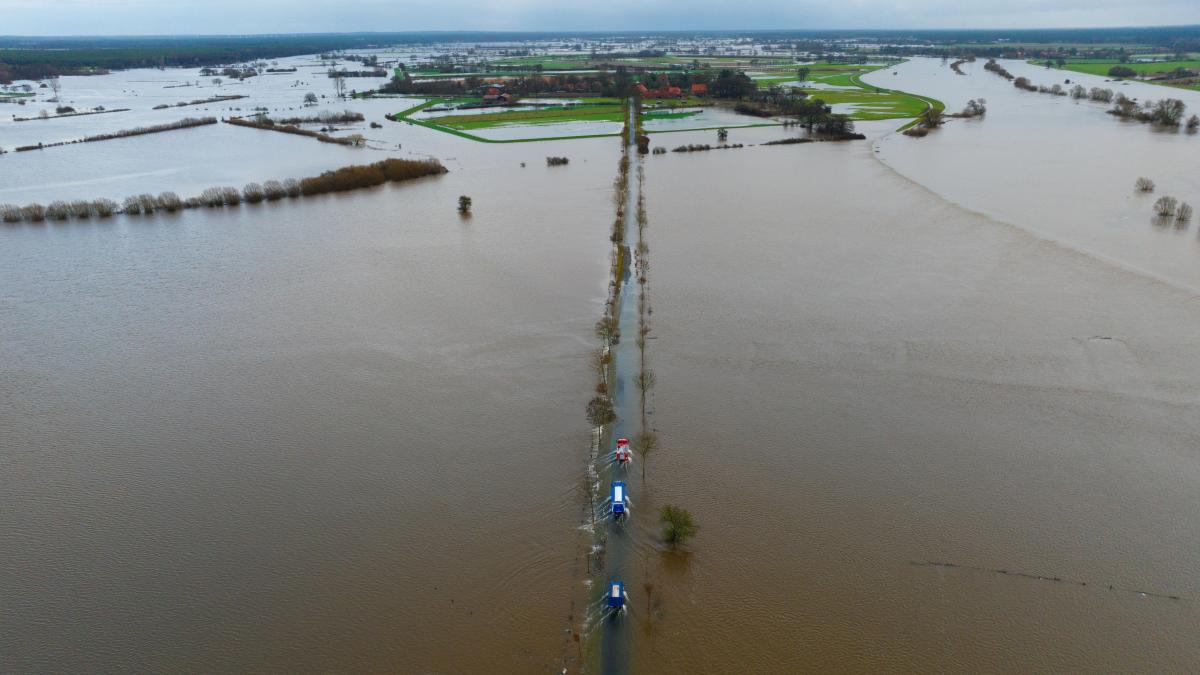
916	439
306	435
931	401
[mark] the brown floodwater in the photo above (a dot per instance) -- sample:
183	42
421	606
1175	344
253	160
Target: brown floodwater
347	433
857	378
342	433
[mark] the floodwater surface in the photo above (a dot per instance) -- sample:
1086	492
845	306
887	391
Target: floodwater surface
933	402
873	379
337	433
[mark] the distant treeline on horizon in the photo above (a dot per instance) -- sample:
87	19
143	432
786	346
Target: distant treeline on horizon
33	57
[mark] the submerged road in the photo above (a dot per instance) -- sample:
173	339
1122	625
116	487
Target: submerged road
614	636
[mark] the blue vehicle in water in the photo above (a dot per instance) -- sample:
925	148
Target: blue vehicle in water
616	595
619	501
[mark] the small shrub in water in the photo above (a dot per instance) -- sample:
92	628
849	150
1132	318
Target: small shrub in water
81	208
274	190
168	201
678	525
1184	213
212	197
1165	206
58	211
1144	184
104	208
253	193
34	213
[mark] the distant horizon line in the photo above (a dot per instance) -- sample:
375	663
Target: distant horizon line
623	32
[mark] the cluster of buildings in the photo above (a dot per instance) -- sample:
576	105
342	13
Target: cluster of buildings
697	89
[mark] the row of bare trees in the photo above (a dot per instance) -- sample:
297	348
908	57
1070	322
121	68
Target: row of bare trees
199	101
185	123
323	117
340	180
265	123
1167	112
58	210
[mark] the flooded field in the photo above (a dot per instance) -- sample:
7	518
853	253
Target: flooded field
931	401
1064	169
343	433
877	380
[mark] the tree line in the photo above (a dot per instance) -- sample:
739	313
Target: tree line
267	124
339	180
185	123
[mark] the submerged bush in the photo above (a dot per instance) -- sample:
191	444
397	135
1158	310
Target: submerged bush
273	190
1184	214
81	208
678	525
556	161
168	201
253	193
58	210
1144	184
132	206
1165	206
33	212
974	108
292	186
10	213
104	208
212	197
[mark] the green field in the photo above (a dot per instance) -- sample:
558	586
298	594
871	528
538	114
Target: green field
406	116
1101	68
871	103
588	112
577	113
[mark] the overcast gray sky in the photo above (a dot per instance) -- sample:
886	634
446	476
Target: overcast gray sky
133	17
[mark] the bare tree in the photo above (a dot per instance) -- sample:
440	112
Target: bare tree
932	118
1165	206
339	82
310	99
645	381
1144	184
1184	214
